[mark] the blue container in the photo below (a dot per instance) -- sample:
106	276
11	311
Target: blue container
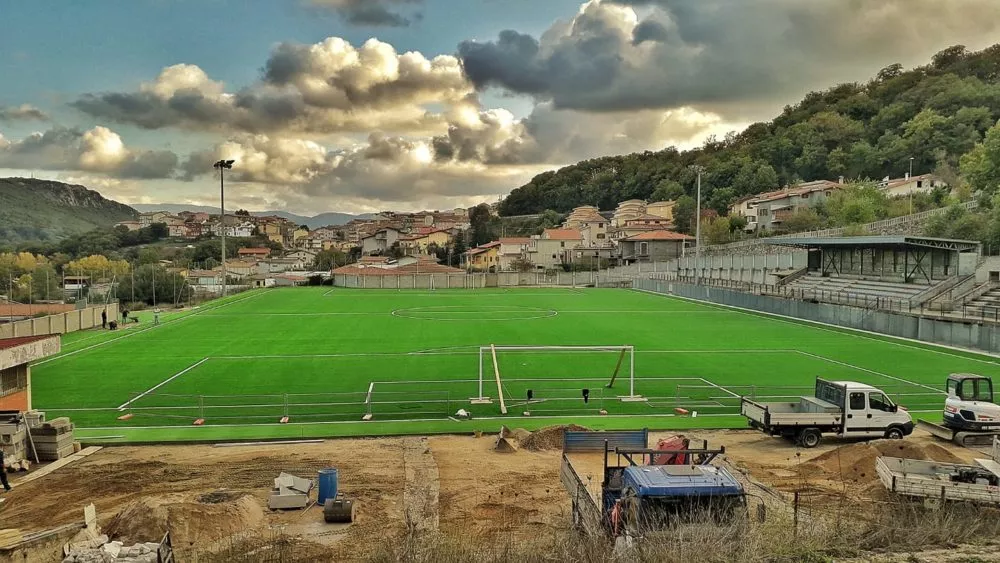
327	484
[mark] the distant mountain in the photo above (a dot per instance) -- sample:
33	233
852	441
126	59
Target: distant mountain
45	210
321	220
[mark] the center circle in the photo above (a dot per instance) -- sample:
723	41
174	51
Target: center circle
477	313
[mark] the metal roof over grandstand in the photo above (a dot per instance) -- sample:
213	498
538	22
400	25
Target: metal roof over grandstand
892	241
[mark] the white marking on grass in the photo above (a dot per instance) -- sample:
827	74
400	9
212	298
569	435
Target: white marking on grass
141	331
843	330
871	371
126	404
328	292
723	389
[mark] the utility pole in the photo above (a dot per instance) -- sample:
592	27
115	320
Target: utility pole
223	165
697	227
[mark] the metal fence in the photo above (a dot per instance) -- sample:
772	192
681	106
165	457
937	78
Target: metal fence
962	333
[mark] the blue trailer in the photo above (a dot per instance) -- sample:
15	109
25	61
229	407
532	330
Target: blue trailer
640	490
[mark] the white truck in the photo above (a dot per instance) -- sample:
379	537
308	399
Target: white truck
844	408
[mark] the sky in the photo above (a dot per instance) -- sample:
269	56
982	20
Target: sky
366	105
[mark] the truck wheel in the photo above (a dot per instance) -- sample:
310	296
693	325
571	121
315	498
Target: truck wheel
894	433
809	438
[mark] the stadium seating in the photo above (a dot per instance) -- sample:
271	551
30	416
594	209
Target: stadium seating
835	289
986	305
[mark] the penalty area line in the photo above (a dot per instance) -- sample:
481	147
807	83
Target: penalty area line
127	403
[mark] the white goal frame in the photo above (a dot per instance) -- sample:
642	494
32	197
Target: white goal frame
488	354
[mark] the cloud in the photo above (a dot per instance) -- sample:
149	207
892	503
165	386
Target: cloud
23	112
720	55
375	13
325	88
97	150
384	169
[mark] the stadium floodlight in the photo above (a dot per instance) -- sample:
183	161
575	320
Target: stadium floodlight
697	226
222	166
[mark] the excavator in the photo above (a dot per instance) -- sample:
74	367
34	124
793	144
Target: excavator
971	418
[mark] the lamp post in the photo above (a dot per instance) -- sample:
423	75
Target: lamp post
223	165
697	227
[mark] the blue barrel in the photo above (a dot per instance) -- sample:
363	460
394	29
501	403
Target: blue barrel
327	484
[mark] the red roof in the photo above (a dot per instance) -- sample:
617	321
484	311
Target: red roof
264	251
562	234
659	235
8	343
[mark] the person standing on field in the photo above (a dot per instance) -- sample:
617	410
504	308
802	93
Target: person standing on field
104	318
156	316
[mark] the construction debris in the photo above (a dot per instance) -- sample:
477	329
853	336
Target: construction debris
503	444
115	552
10	536
53	440
290	492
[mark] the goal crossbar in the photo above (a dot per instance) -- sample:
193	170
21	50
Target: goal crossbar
489	354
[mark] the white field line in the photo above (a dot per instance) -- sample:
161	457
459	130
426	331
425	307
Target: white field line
148	327
721	388
328	292
125	405
871	371
846	331
190	428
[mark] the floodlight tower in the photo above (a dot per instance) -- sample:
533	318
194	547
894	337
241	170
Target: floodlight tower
223	165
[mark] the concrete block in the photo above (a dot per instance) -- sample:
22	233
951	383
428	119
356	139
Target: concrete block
296	500
290	481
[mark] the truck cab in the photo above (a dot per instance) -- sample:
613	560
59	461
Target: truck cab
868	412
970	405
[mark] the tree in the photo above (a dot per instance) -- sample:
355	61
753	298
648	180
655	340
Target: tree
479	224
684	213
242	213
981	166
667	190
721	199
153	285
97	267
717	231
148	256
330	259
522	265
802	220
857	204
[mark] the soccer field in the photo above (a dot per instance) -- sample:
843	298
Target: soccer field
325	358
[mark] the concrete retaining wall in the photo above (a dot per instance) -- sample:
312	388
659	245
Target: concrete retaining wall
71	321
962	334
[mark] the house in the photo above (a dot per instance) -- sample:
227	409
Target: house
647	220
304	257
627	210
663	209
279	265
147	219
240	268
243	230
773	208
512	249
204	279
592	225
545	251
254	253
911	185
379	241
745	207
130	225
591	256
261	280
652	246
299	235
193	230
290	280
419	243
177	231
484	258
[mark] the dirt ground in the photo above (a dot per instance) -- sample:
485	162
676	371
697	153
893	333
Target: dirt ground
211	496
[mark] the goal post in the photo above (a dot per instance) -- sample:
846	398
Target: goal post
558	363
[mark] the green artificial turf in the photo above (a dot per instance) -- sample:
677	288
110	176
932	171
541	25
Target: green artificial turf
325	358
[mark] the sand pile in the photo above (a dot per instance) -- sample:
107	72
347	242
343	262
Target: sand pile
549	438
856	462
189	521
